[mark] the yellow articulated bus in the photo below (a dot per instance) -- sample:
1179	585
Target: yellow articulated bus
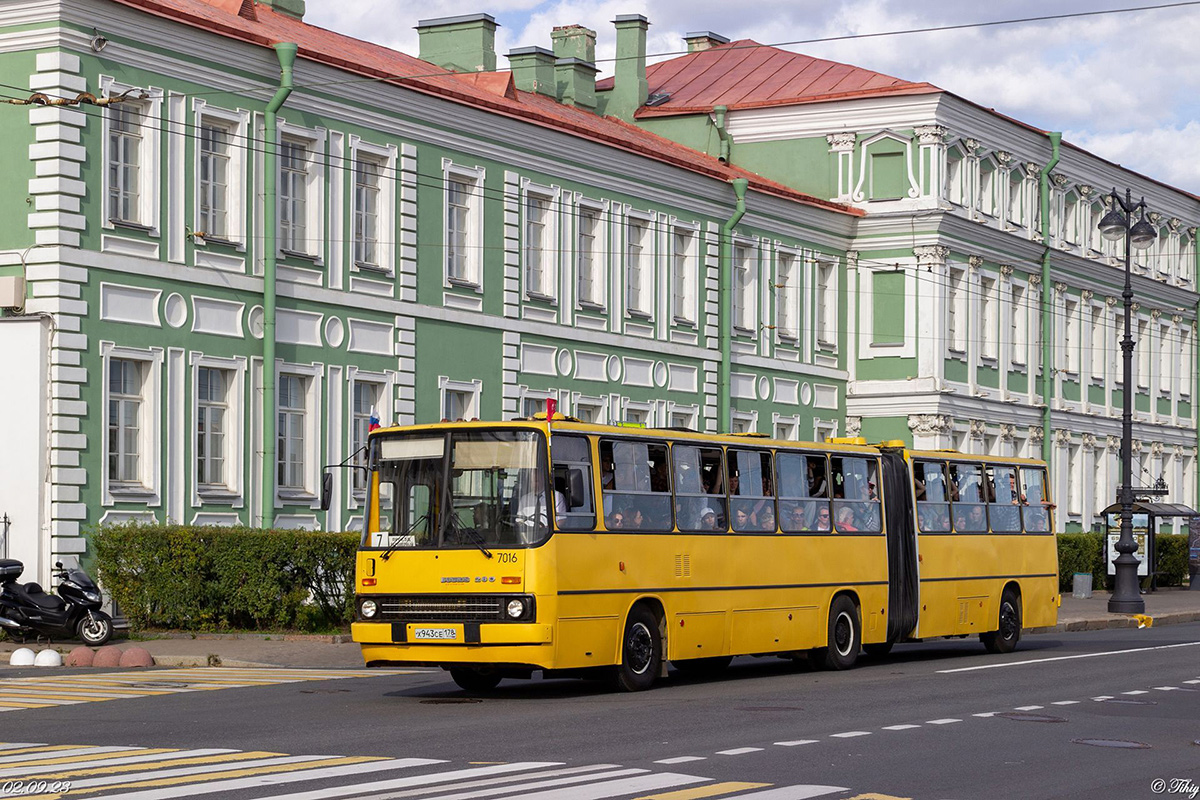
497	549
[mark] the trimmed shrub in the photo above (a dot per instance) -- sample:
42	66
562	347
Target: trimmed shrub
209	577
1086	552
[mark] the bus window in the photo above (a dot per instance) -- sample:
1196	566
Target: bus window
803	505
966	490
572	474
409	476
932	495
1003	499
1035	507
638	490
855	493
751	496
699	488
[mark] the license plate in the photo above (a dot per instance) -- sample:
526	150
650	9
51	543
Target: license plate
438	634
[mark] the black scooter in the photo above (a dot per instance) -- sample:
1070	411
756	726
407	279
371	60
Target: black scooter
75	611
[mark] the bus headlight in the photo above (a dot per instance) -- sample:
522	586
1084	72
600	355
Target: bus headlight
368	609
516	608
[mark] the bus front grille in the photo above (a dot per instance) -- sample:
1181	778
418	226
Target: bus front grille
443	608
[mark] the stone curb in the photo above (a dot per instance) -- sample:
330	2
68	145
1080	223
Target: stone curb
335	638
1115	621
210	660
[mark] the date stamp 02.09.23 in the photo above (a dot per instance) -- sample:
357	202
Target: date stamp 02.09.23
26	788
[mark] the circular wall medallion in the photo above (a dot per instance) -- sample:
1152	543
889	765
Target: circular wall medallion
175	310
806	394
660	374
565	362
614	368
254	321
335	331
764	388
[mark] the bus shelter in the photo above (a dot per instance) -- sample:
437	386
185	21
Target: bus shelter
1146	517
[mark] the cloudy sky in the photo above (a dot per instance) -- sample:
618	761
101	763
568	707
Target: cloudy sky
1123	85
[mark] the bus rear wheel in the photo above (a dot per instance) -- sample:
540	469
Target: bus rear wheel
641	652
475	680
1004	639
845	637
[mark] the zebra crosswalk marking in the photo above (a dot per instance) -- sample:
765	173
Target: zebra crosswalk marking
595	769
728	787
146	760
614	788
59	751
793	793
116	752
420	780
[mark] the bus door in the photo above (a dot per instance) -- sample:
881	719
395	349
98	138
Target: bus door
903	578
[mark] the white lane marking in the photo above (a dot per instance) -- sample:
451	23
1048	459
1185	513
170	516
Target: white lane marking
799	792
595	791
986	714
1027	708
797	742
942	721
532	782
421	780
849	734
739	751
1068	658
900	727
476	784
20	745
76	751
1102	698
257	781
1065	703
1166	688
1136	691
112	762
680	759
1193	681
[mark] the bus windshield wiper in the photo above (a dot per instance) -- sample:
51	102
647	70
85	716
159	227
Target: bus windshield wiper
391	548
472	534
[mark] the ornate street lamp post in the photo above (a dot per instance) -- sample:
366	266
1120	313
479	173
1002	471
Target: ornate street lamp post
1117	223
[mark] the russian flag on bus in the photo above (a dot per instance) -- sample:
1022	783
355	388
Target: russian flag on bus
373	422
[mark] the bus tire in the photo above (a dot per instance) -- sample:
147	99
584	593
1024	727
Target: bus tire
475	680
1004	639
845	637
702	666
641	651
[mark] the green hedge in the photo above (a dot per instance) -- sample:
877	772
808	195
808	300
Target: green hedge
220	578
1085	552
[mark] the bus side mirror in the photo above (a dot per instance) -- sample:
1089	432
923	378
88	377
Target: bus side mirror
326	490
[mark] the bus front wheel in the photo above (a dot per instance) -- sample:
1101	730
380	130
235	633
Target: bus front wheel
1005	638
475	680
845	637
641	651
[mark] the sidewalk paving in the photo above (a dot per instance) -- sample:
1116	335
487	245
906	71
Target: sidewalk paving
1166	607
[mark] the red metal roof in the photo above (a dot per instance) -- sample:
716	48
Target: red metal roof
746	74
493	92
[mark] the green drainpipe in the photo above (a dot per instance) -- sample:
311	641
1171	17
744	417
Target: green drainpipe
1047	315
726	142
286	51
724	308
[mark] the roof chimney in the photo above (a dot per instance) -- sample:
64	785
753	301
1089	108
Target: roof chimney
703	40
533	70
575	67
463	44
629	78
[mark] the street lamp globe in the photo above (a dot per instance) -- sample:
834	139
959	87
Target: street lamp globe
1112	226
1142	235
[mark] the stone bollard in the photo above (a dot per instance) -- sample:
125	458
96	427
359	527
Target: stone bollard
107	657
80	657
137	657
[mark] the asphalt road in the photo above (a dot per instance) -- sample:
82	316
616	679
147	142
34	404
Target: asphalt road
935	720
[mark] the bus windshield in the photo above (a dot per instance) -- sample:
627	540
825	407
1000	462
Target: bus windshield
462	489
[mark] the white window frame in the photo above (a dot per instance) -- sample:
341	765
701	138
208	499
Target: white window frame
149	155
744	289
987	202
1099	336
685	272
824	429
384	383
955	190
546	285
1164	360
385	156
787	294
474	388
313	375
473	264
957	290
539	396
598	297
1185	359
645	410
1019	310
237	123
600	405
790	422
148	488
689	413
989	317
1069	362
1015	212
314	199
645	265
747	421
826	288
232	491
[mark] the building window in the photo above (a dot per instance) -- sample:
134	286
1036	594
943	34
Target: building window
290	432
683	275
787	297
823	431
125	155
637	274
1141	355
363	415
744	422
744	287
463	229
956	311
293	196
537	250
955	190
682	417
1116	364
589	410
826	305
1019	317
1070	337
368	177
1096	343
987	188
215	157
212	425
460	399
989	321
1164	360
1016	197
587	258
124	420
637	416
787	429
1071	218
1185	360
